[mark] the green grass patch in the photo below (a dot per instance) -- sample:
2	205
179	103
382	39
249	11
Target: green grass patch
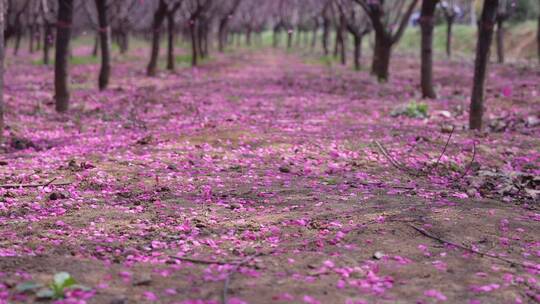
79	60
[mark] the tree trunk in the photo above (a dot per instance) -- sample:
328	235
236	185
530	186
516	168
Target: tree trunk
123	36
426	24
289	39
38	38
314	38
485	37
248	36
95	51
61	64
342	39
47	39
105	41
18	35
170	42
159	16
31	36
222	33
2	24
325	36
538	38
336	43
201	38
500	40
357	51
194	44
449	25
275	37
381	56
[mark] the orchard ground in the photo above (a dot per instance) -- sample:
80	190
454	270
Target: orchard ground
266	170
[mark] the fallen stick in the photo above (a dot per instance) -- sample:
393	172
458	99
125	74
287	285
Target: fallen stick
206	262
471	163
443	241
390	158
443	151
35	185
224	296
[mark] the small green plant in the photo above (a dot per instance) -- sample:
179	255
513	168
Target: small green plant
412	109
62	281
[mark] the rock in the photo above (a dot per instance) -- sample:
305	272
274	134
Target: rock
378	255
56	196
447	128
471	192
445	114
119	300
533	121
145	140
234	206
498	125
143	280
19	143
284	169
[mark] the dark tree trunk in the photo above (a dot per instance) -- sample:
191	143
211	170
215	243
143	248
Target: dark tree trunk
194	44
449	25
38	38
326	36
18	36
485	37
95	51
159	16
123	41
289	38
248	36
201	37
336	43
381	56
31	37
2	24
357	51
275	37
314	37
61	64
426	23
170	42
538	38
500	39
105	41
342	35
222	33
47	39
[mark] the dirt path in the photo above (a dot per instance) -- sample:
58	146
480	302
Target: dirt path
264	159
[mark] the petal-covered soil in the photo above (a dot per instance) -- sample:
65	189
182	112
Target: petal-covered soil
265	178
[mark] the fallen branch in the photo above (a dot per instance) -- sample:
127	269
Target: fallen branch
205	262
443	241
393	161
471	163
224	296
35	185
443	151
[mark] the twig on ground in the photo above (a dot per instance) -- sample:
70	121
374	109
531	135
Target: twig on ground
224	296
443	151
393	161
381	184
471	163
35	185
198	261
443	241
